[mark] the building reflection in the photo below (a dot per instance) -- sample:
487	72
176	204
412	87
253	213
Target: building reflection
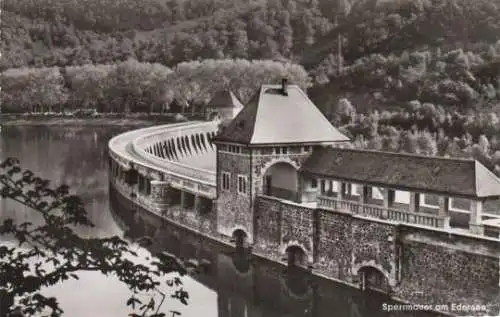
248	286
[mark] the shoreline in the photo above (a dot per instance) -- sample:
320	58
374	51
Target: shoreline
98	120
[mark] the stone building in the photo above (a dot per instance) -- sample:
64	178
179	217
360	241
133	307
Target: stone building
223	106
278	178
262	149
280	145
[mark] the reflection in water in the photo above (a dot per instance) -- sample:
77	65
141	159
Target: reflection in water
65	155
245	285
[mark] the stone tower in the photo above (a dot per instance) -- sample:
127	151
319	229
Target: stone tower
223	106
261	150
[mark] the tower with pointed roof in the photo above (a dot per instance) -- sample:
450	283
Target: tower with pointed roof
261	150
223	105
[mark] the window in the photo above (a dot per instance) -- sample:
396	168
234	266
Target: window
225	180
242	184
280	150
232	149
148	187
314	183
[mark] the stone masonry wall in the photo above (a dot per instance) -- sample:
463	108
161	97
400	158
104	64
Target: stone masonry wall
279	224
233	209
297	227
440	268
334	245
267	227
373	246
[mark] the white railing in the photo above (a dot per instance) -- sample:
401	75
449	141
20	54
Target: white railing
130	147
178	169
379	212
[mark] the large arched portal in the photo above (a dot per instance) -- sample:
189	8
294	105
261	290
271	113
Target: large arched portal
281	180
296	256
239	238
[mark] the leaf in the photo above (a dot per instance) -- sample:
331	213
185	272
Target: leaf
133	301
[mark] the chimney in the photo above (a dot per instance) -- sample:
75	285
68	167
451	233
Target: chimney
284	86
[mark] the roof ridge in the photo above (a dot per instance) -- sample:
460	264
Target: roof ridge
315	108
260	91
493	176
422	156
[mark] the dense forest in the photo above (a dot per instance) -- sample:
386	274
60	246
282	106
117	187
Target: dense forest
417	76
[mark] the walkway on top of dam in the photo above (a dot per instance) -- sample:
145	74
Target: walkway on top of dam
181	153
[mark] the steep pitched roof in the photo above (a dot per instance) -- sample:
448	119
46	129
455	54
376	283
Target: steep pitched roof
412	172
225	99
272	117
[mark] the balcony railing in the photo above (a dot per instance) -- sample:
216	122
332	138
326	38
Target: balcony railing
379	212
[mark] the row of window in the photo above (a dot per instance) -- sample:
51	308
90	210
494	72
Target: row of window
242	182
425	200
274	150
231	148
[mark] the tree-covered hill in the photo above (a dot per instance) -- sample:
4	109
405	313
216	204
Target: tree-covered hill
70	32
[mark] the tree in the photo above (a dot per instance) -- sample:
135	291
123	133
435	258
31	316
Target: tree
87	84
345	111
58	252
33	88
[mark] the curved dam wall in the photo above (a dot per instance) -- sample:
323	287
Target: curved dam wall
189	145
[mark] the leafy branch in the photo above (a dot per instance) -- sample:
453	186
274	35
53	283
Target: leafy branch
50	253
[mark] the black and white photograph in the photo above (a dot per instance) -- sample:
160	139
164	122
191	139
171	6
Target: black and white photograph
249	158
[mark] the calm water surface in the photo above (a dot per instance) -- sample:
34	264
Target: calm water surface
232	283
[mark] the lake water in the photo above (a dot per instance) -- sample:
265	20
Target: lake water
232	283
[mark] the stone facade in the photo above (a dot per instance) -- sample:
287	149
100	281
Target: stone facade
234	210
373	246
279	226
334	245
418	265
442	268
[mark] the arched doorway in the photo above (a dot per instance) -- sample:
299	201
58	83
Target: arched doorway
296	256
239	238
372	278
281	180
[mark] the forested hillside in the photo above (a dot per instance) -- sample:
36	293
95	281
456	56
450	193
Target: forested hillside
401	75
70	32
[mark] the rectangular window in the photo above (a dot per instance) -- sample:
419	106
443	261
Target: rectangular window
225	180
148	187
284	150
242	184
314	183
